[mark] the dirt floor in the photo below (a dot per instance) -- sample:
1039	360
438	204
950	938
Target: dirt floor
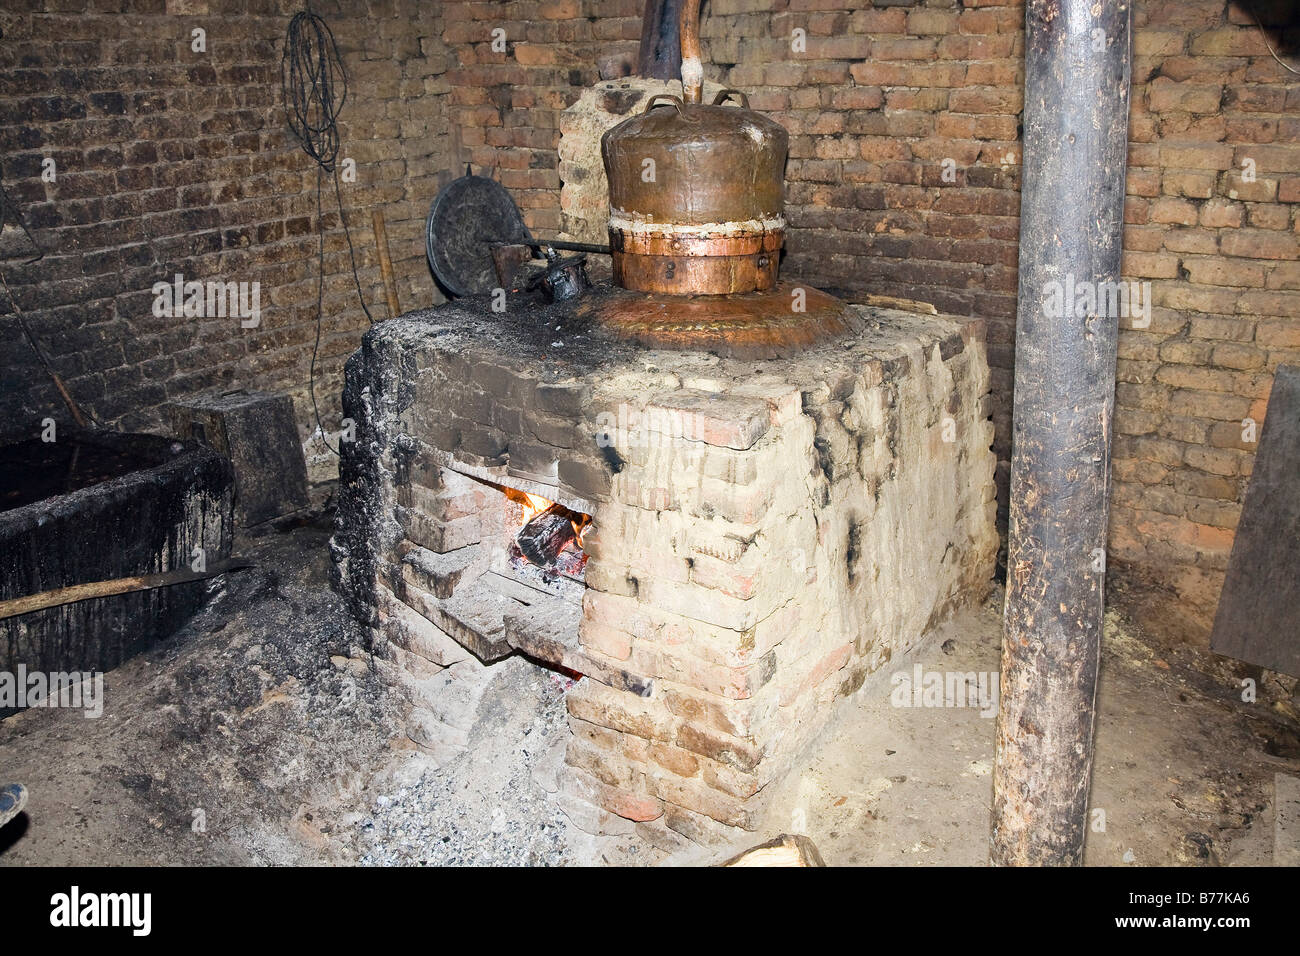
1183	775
260	734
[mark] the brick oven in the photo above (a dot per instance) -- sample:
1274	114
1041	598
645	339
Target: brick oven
715	499
763	533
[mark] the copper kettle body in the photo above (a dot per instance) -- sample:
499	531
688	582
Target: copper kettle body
696	191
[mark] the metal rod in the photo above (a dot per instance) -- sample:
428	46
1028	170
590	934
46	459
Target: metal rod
564	244
1077	63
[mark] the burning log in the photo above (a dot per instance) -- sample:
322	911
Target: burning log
547	534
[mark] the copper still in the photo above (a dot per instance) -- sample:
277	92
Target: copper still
696	191
696	224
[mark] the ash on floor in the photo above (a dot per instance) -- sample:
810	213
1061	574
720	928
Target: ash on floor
491	805
260	734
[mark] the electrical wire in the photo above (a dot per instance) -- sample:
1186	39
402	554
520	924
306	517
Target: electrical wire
79	415
10	210
8	206
1264	33
314	85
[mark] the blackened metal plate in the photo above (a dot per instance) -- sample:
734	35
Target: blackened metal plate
468	217
1258	620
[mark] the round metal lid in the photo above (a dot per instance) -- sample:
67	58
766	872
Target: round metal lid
468	217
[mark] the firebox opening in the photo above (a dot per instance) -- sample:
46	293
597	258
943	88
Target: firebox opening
549	535
538	542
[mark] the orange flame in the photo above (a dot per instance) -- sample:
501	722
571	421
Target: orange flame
532	505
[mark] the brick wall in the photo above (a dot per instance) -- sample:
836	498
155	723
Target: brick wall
170	160
1221	252
879	97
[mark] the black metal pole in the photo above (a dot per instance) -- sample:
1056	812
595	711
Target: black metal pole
568	246
1077	62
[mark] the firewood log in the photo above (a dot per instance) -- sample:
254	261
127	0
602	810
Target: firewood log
546	534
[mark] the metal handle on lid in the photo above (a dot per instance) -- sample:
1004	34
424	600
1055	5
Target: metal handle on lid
725	94
676	101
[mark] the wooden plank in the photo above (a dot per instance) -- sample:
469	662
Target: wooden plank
1258	619
99	589
660	53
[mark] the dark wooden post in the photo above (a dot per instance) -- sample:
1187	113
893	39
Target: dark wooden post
660	56
1077	62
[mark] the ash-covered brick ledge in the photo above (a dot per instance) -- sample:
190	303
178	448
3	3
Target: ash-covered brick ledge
765	534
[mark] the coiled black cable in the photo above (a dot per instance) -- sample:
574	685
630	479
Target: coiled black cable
314	85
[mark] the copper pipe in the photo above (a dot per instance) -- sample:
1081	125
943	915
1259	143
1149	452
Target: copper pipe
692	68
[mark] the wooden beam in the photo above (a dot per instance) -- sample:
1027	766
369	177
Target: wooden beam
386	264
660	56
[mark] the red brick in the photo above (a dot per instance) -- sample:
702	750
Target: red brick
1260	244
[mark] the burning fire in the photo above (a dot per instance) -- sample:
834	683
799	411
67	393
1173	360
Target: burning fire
532	505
